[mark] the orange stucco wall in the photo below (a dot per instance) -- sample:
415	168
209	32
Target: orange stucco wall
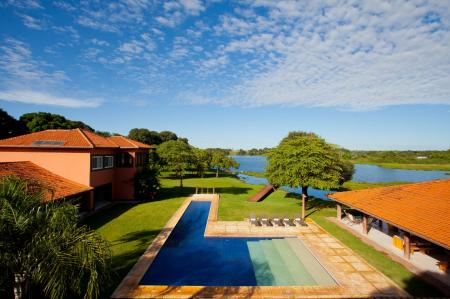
73	165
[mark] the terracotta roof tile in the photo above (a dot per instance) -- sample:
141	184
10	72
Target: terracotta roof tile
423	209
97	140
74	138
56	186
124	142
49	138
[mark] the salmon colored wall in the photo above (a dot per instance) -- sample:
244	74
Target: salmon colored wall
73	165
124	179
76	166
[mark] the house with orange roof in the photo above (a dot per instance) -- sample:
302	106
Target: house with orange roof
102	167
410	222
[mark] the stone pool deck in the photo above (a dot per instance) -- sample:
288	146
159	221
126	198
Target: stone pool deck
354	276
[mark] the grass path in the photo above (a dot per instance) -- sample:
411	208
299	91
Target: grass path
131	228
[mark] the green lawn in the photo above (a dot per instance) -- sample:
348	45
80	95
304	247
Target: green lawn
408	166
131	228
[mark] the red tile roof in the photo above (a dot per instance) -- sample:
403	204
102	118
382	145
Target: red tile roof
422	209
124	142
74	138
55	186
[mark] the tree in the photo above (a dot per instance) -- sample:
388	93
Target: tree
9	126
202	161
42	246
39	121
167	135
305	160
177	156
146	184
219	160
145	136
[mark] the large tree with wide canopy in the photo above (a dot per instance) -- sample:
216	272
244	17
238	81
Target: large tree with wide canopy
303	160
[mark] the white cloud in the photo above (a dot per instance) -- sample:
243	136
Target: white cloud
330	54
18	64
99	42
40	98
31	22
112	16
178	10
132	47
28	4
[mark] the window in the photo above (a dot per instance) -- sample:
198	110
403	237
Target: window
108	161
97	162
141	159
124	160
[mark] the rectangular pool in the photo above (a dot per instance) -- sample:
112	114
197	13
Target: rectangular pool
188	258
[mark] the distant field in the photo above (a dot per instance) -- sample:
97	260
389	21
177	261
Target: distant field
407	166
414	160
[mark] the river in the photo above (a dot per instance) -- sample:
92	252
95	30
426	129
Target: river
363	173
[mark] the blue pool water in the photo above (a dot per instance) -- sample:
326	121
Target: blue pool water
188	258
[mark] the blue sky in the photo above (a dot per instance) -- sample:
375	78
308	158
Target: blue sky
364	75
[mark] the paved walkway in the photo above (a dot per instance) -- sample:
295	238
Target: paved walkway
355	277
421	264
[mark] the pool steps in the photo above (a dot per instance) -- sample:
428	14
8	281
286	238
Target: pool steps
276	264
285	262
319	274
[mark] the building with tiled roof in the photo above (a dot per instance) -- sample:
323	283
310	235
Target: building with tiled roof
421	209
105	164
54	186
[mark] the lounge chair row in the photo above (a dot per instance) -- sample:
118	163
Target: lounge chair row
277	221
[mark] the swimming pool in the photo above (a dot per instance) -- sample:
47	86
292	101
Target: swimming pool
188	258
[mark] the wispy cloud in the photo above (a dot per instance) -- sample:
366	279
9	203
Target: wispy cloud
40	98
176	11
28	4
17	63
32	23
336	55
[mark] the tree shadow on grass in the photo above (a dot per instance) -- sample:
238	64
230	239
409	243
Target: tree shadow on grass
313	204
97	220
416	286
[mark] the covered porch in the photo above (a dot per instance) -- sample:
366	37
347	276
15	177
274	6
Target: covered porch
408	222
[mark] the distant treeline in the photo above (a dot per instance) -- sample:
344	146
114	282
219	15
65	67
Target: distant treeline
401	157
40	121
242	152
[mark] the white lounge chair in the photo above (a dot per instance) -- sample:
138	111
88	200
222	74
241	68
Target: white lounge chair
298	221
287	221
254	221
265	221
276	220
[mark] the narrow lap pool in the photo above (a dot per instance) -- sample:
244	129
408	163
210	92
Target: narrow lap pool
188	258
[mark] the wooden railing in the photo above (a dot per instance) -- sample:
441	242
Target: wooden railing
201	190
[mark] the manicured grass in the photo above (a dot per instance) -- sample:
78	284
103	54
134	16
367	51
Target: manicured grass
348	186
255	174
407	166
131	228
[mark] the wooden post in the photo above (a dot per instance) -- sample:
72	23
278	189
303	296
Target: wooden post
90	201
303	207
390	229
406	246
365	224
339	211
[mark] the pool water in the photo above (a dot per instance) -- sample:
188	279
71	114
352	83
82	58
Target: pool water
188	258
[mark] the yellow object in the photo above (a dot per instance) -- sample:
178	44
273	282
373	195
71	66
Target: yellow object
397	242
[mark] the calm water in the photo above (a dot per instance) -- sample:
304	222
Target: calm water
188	258
363	173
